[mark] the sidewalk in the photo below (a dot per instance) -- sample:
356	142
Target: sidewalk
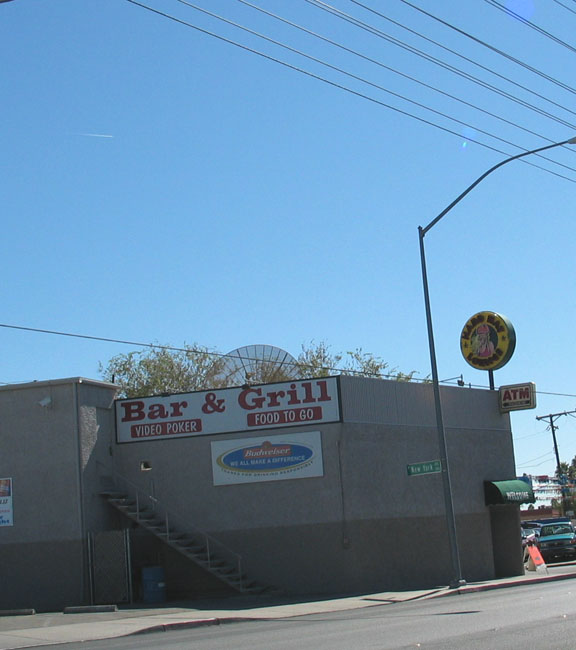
23	631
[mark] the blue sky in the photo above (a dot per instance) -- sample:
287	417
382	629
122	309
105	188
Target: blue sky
160	184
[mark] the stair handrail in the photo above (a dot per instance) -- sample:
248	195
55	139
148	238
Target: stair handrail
212	544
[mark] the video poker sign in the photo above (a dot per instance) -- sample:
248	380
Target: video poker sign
227	410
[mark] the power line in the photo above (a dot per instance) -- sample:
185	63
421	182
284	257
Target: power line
356	53
337	85
530	24
539	457
393	70
318	77
565	6
530	435
191	350
500	52
530	462
358	78
358	23
187	350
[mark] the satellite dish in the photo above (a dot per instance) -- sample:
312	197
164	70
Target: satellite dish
256	364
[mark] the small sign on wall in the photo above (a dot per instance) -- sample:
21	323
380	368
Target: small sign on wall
418	469
517	397
6	515
273	458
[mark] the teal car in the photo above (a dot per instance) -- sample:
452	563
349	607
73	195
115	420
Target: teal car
557	542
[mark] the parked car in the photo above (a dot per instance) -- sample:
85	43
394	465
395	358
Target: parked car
529	535
557	541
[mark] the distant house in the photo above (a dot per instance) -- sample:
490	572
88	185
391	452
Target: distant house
548	494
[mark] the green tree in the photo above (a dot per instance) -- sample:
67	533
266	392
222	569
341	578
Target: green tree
316	360
567	470
562	470
163	369
572	470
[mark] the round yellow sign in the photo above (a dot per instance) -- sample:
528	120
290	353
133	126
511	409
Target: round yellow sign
487	341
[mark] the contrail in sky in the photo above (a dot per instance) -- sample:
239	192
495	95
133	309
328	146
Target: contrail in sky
96	135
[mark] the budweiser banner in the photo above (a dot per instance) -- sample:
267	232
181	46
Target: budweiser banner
274	458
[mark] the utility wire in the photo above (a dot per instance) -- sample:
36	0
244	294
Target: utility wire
340	86
530	24
358	23
393	70
565	6
190	350
530	435
529	463
500	52
358	78
328	82
539	457
335	85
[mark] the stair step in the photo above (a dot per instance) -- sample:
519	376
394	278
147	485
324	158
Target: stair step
188	549
113	493
150	522
254	590
196	551
226	571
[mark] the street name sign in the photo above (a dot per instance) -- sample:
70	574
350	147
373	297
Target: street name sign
430	467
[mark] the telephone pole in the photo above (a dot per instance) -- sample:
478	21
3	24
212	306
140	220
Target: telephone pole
552	417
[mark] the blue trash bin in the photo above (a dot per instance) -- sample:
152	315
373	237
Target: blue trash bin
153	584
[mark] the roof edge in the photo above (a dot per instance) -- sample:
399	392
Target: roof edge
57	382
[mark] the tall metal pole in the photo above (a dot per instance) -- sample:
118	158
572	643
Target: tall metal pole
457	578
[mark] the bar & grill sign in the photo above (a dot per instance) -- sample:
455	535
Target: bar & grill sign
268	406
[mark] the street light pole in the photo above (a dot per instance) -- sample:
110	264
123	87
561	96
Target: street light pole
457	579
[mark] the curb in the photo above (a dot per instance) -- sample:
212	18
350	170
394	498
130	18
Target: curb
90	609
17	612
504	585
199	622
203	622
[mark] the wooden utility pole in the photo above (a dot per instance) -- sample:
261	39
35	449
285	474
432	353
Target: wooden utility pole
552	417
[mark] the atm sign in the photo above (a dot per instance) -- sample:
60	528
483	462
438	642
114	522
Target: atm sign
517	397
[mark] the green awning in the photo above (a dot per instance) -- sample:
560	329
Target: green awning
508	492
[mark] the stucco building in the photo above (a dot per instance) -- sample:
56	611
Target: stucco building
308	487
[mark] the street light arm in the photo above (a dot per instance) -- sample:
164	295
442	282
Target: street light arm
457	200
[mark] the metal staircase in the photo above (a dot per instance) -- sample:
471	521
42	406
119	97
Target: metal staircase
199	547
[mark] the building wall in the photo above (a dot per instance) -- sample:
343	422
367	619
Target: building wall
365	525
41	449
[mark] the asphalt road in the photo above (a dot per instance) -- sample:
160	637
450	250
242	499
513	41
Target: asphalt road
535	616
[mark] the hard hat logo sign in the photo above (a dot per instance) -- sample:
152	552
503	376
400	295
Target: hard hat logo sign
487	341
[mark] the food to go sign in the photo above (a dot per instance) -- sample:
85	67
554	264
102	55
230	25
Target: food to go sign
227	410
